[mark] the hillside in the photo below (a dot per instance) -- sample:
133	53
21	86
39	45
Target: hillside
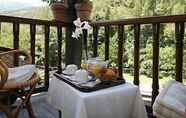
12	6
34	12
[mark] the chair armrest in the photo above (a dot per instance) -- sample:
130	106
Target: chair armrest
3	73
3	49
20	52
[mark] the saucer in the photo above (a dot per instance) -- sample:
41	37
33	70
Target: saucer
65	72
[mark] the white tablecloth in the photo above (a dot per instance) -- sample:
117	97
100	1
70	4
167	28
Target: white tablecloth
123	101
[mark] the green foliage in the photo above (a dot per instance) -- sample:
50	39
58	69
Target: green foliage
184	64
41	13
146	61
166	64
6	35
167	61
53	48
112	52
131	8
117	9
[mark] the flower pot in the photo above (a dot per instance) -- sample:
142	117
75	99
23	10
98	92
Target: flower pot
59	11
83	10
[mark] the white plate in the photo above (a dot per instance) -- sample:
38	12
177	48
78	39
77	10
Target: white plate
67	73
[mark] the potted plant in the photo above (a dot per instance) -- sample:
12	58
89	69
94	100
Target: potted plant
59	9
84	9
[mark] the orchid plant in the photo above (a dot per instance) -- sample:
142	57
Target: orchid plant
80	26
78	33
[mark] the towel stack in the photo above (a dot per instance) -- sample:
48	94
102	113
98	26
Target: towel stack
171	102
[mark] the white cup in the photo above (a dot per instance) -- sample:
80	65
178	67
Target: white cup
71	69
81	75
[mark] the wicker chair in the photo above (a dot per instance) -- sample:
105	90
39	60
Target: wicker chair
20	86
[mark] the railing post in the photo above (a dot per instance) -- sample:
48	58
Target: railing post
47	33
32	41
59	40
107	42
120	49
179	35
85	45
72	47
155	74
95	41
16	42
136	53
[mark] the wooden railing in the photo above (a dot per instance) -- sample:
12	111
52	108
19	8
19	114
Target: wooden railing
178	20
33	23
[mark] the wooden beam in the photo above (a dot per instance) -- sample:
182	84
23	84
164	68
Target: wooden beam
47	39
59	40
16	42
136	53
155	70
120	49
20	20
32	41
95	41
142	20
179	35
107	42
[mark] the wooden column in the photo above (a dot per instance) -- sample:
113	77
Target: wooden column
47	33
136	53
179	35
59	40
95	42
16	41
73	46
32	41
120	49
155	74
107	42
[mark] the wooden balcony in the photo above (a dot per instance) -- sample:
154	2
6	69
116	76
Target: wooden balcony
119	25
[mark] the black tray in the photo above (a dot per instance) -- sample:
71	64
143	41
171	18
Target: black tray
99	86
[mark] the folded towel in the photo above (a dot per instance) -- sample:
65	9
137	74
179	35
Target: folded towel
21	73
171	102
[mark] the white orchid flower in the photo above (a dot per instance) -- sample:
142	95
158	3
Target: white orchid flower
77	33
74	35
85	25
80	26
77	22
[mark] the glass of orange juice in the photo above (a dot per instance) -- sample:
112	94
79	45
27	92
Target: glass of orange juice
95	65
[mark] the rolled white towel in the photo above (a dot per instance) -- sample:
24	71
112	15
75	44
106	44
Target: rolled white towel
21	73
171	102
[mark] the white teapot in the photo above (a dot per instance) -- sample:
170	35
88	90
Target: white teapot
81	75
97	61
70	69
